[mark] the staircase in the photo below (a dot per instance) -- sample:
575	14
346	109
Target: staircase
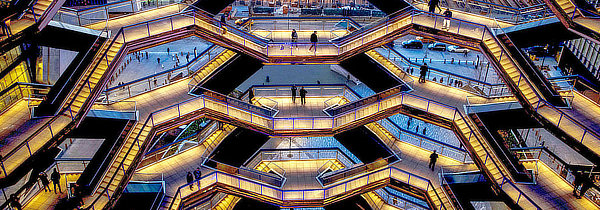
210	67
435	200
480	151
567	6
511	70
38	9
126	154
93	74
389	65
227	203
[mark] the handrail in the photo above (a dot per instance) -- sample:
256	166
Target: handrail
80	63
425	137
163	72
352	21
319	194
288	150
527	61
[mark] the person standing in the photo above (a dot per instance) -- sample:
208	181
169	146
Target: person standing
447	16
432	5
586	184
168	51
423	73
190	180
197	176
432	159
313	40
577	182
250	96
223	18
294	93
294	38
45	182
55	177
303	95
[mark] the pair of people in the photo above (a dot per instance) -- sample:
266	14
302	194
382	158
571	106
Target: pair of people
423	73
195	175
302	94
313	40
55	177
447	14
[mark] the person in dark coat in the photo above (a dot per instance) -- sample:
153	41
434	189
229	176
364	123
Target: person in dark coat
423	73
432	5
55	177
294	89
303	95
577	182
432	159
190	180
250	96
313	40
45	182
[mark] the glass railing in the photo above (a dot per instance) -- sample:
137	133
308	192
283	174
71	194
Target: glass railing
345	173
299	154
9	57
501	12
249	173
400	202
559	166
425	142
313	90
18	91
102	13
179	146
278	29
447	78
278	195
161	79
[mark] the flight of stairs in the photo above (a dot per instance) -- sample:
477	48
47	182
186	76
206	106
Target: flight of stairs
227	203
480	151
126	154
567	7
436	200
374	200
96	74
389	65
511	70
210	67
39	8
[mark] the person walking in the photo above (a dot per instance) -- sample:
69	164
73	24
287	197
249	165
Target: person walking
313	40
432	159
190	180
294	38
303	95
447	16
45	182
55	177
432	5
423	73
294	93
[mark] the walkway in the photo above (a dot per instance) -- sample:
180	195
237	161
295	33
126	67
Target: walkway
552	192
48	200
118	23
